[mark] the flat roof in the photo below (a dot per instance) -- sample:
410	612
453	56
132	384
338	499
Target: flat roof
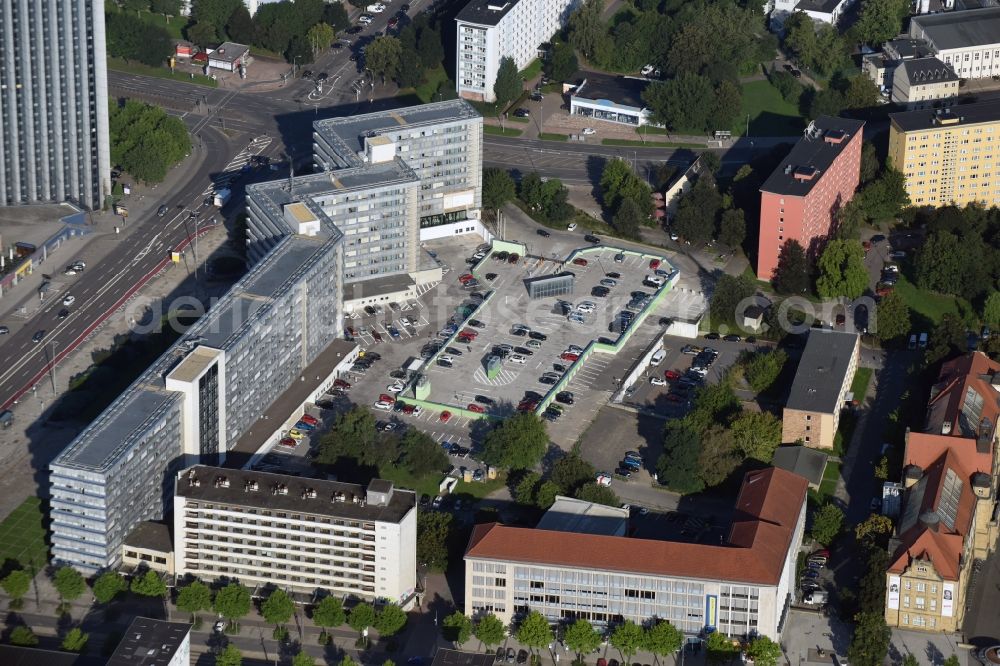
618	90
767	515
347	134
964	114
812	152
821	371
818	6
802	460
150	535
300	495
485	12
446	657
278	411
229	52
149	642
14	655
962	29
390	284
569	514
194	364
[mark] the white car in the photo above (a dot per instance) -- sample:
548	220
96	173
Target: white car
365	20
573	349
376	9
603	479
658	381
446	358
674	237
585	309
395	388
571	226
69	300
383	405
220	626
517	358
69	271
647	70
587	131
417	410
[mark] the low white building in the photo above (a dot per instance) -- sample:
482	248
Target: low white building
490	30
738	587
822	11
968	41
923	83
298	533
609	98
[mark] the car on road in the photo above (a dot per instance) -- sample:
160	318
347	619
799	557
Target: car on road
671	375
63	314
732	337
522	113
543	233
591	238
37	337
162	210
657	381
609	282
310	419
478	409
536	335
579	261
4	330
69	300
288	442
603	479
589	131
393	22
365	19
571	226
522	656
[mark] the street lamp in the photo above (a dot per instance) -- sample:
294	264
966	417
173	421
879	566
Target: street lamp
54	359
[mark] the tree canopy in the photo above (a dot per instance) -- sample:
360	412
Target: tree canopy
842	271
69	583
149	585
232	602
17	583
827	522
145	141
508	85
278	608
519	442
194	598
582	638
534	631
433	529
490	630
329	612
458	628
498	188
791	275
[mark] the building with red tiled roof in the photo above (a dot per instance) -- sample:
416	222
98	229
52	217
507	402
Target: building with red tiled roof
950	481
739	586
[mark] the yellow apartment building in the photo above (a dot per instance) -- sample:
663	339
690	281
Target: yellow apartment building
948	155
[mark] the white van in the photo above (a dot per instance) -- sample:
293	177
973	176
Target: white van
922	342
658	357
913	342
816	597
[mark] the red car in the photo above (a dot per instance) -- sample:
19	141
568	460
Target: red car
673	397
469	333
445	416
671	375
310	419
527	406
385	397
393	22
473	407
408	409
378	338
579	261
566	356
464	339
654	264
342	383
465	277
289	442
883	290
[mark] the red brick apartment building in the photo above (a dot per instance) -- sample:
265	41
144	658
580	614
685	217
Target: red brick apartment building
801	198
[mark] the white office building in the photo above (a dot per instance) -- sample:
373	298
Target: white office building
53	103
298	533
738	587
968	41
490	30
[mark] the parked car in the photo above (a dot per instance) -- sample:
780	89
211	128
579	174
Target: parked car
579	261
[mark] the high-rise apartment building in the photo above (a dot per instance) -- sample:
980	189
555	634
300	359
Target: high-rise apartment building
490	30
948	155
801	198
441	142
53	103
297	533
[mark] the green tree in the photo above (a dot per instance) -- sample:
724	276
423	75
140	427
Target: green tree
952	661
145	140
756	435
194	598
869	162
524	492
231	656
678	464
842	270
870	643
350	437
886	196
498	188
390	621
697	210
663	638
508	85
278	608
910	660
382	57
16	584
329	613
133	39
232	602
149	585
299	51
718	457
586	27
23	636
729	292
347	661
732	228
819	48
628	220
627	637
893	318
684	103
947	340
826	524
861	93
791	275
940	263
563	63
991	309
214	12
490	630
827	102
534	631
239	26
880	21
320	36
764	651
875	530
762	369
136	6
720	649
519	442
570	472
69	583
726	105
361	617
582	638
75	640
421	455
592	492
303	659
410	72
433	528
545	496
458	628
107	586
167	8
203	34
431	49
335	16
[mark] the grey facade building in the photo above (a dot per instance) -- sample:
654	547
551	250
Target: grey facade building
441	142
53	103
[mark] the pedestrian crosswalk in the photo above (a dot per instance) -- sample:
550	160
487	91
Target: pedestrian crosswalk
232	170
503	377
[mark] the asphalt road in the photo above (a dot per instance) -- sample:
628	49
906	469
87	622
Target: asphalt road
103	286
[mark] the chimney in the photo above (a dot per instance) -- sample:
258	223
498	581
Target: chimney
930	520
946	427
911	474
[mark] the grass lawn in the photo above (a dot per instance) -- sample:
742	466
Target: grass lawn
428	484
553	136
829	483
507	131
532	70
859	387
426	89
120	65
582	220
174	27
647	144
22	535
518	119
926	304
646	130
770	114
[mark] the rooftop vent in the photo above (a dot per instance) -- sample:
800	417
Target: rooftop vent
931	520
497	6
193	479
339	496
279	489
946	428
946	117
835	136
250	486
308	493
221	482
805	173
